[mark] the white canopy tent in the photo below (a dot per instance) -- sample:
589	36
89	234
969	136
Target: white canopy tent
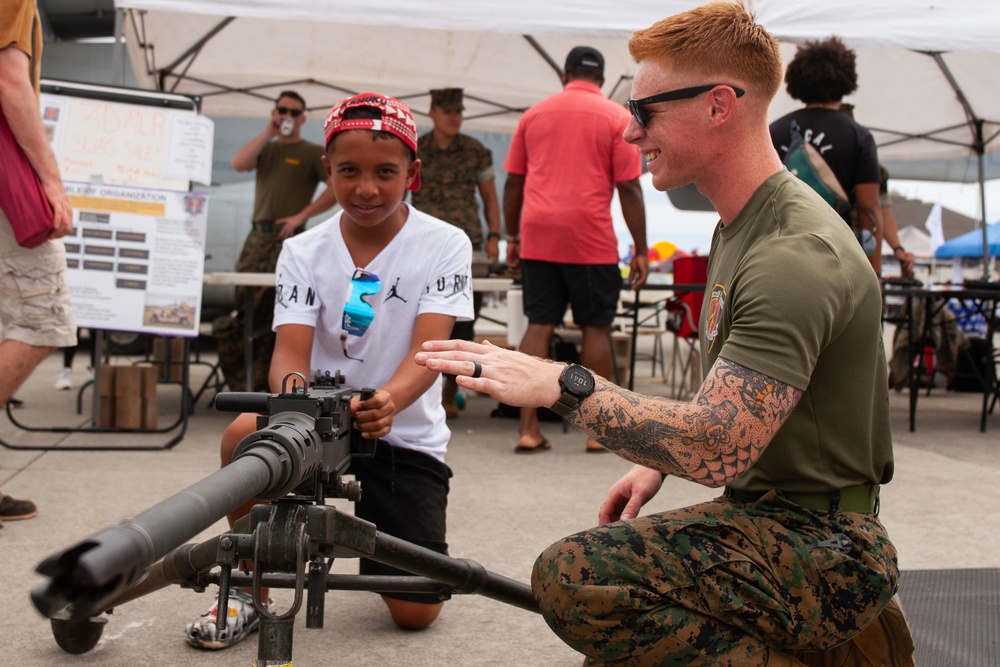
929	72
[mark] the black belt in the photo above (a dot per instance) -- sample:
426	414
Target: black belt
862	498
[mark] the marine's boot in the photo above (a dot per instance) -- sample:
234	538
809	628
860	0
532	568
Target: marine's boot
886	642
779	659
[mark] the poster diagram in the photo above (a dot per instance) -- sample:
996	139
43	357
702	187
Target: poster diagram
136	258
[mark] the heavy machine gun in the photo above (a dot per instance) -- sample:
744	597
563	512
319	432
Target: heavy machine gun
296	460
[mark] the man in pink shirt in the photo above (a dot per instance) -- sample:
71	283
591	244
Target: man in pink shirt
566	159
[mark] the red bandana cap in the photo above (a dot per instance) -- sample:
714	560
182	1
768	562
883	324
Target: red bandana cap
396	119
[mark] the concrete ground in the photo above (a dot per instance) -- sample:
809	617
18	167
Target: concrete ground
504	509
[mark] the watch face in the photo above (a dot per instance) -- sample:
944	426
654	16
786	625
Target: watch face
578	380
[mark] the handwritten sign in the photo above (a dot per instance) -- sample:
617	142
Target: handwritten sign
117	143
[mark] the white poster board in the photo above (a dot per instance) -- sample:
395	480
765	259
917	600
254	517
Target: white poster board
127	157
135	258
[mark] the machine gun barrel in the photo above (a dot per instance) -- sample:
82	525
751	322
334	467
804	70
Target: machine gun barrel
92	572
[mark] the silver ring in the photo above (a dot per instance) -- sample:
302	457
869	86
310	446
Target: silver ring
477	369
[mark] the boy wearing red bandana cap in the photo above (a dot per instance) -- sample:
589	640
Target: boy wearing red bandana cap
414	274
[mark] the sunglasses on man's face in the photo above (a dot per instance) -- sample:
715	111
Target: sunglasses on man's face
283	110
637	107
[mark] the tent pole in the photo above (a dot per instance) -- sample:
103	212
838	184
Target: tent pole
979	146
982	200
544	54
118	51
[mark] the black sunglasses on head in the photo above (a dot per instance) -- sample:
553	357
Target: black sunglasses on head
283	110
639	112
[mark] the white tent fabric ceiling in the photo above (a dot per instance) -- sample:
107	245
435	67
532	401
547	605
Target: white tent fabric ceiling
506	56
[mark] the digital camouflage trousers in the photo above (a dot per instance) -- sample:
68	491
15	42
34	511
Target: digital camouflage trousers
259	255
717	583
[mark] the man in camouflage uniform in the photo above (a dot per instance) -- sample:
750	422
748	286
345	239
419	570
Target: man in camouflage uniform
453	167
790	566
288	171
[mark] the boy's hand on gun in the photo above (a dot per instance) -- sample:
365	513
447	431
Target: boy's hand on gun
373	416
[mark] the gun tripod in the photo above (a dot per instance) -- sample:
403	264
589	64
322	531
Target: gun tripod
292	547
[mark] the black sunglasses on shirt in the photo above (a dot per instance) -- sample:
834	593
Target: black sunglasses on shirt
639	112
283	110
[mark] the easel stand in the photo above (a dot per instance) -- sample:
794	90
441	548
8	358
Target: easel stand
177	429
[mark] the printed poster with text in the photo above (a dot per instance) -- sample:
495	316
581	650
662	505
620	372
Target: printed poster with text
136	258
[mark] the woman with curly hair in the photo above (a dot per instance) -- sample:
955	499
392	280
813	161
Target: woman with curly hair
820	75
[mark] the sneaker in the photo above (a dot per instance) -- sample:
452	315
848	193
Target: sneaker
241	621
65	379
90	373
12	509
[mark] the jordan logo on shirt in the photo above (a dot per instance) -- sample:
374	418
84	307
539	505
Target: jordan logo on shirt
393	294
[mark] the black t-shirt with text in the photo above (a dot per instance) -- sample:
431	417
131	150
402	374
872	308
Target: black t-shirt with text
847	148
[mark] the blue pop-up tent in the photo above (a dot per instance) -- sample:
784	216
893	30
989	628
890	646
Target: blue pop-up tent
970	244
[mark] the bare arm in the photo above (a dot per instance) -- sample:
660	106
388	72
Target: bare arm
246	157
491	208
409	381
20	108
513	199
891	236
326	200
634	212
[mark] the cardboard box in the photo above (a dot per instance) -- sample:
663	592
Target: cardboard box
168	357
106	396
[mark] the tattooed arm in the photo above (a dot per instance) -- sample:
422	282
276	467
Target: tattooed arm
711	440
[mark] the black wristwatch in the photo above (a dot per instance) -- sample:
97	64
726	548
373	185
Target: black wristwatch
576	384
493	235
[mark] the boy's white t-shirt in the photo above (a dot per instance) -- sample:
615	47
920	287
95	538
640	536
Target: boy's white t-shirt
426	268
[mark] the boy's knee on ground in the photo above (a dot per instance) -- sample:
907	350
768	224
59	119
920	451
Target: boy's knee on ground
409	615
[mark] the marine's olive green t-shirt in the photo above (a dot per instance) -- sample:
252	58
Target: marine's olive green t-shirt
791	295
287	176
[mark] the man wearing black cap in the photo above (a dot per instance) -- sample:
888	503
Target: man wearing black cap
566	159
453	167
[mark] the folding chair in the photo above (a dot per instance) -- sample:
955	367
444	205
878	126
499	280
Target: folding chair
684	372
683	314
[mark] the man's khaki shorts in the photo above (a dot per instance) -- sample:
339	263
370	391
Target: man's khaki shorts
35	306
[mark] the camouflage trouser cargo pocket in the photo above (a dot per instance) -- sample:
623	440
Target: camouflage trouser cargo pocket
716	583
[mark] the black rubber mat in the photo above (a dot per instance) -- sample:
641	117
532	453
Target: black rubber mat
954	616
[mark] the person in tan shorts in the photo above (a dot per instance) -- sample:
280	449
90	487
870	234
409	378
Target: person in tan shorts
35	309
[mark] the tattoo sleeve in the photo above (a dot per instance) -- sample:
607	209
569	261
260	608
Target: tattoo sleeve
712	440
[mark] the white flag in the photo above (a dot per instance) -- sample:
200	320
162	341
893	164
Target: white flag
933	227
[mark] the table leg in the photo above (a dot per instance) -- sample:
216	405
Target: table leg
248	294
991	385
635	339
913	370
